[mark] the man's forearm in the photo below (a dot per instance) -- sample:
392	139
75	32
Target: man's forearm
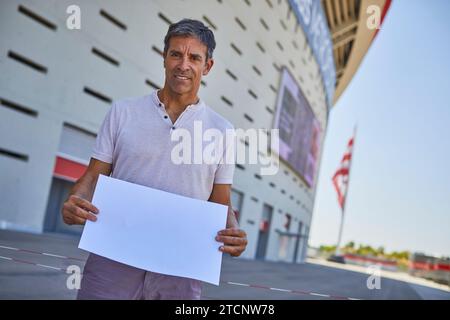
84	187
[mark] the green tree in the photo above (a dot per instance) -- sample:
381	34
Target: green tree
350	245
327	248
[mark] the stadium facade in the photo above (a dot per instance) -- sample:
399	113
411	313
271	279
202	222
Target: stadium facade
273	58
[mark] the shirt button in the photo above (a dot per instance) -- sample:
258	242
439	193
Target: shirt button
173	128
160	104
165	117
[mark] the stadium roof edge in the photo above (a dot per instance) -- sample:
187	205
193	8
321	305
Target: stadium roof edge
351	36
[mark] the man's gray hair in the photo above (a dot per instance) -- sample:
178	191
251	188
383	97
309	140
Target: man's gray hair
191	28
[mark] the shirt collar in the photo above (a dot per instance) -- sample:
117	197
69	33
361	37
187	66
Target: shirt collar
158	103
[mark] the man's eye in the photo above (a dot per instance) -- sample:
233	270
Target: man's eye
174	54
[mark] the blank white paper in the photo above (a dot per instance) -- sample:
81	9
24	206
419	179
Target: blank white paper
156	230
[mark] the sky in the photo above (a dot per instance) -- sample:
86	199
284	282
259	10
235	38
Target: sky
399	193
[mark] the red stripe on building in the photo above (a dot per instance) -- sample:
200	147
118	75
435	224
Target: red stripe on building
420	265
68	169
443	267
429	266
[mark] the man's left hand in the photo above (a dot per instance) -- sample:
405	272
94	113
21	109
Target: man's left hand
234	240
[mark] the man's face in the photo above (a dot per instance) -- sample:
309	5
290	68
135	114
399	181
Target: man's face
185	64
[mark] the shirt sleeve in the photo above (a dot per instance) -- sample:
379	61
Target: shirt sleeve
106	138
225	169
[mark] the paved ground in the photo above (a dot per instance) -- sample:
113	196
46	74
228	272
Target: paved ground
29	274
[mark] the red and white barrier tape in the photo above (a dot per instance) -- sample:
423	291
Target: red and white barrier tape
222	282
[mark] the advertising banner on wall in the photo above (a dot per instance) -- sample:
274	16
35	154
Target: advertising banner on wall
300	131
311	17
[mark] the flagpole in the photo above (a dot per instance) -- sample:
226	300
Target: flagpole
338	245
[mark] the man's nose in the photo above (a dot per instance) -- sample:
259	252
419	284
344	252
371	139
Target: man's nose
184	63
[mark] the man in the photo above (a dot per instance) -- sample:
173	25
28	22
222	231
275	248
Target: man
134	144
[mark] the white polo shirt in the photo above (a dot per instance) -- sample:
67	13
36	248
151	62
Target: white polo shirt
135	137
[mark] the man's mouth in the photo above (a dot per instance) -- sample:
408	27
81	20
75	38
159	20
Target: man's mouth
181	77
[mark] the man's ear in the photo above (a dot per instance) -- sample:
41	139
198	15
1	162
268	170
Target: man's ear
164	59
208	66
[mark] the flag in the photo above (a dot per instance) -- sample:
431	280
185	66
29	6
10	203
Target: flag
341	177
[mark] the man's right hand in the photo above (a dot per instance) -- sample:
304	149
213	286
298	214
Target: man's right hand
77	210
